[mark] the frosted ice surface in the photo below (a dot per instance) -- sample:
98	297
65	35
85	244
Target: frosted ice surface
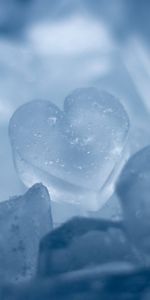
81	243
24	220
133	188
74	151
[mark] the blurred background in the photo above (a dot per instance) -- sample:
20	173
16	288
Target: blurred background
48	48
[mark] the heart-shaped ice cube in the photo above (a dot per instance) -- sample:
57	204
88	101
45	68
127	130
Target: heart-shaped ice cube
74	151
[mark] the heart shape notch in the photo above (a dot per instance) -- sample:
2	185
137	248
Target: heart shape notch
75	152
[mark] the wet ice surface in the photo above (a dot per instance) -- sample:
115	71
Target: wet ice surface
88	258
24	220
73	152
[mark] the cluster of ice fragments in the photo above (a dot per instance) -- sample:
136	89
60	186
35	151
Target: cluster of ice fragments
77	153
84	258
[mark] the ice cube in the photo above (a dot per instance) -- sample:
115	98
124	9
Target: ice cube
24	221
83	242
133	188
73	152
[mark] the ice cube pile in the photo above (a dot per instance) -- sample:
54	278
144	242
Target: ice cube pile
85	258
61	274
76	152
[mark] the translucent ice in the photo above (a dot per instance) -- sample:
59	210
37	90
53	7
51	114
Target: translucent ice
73	152
82	243
24	221
133	188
